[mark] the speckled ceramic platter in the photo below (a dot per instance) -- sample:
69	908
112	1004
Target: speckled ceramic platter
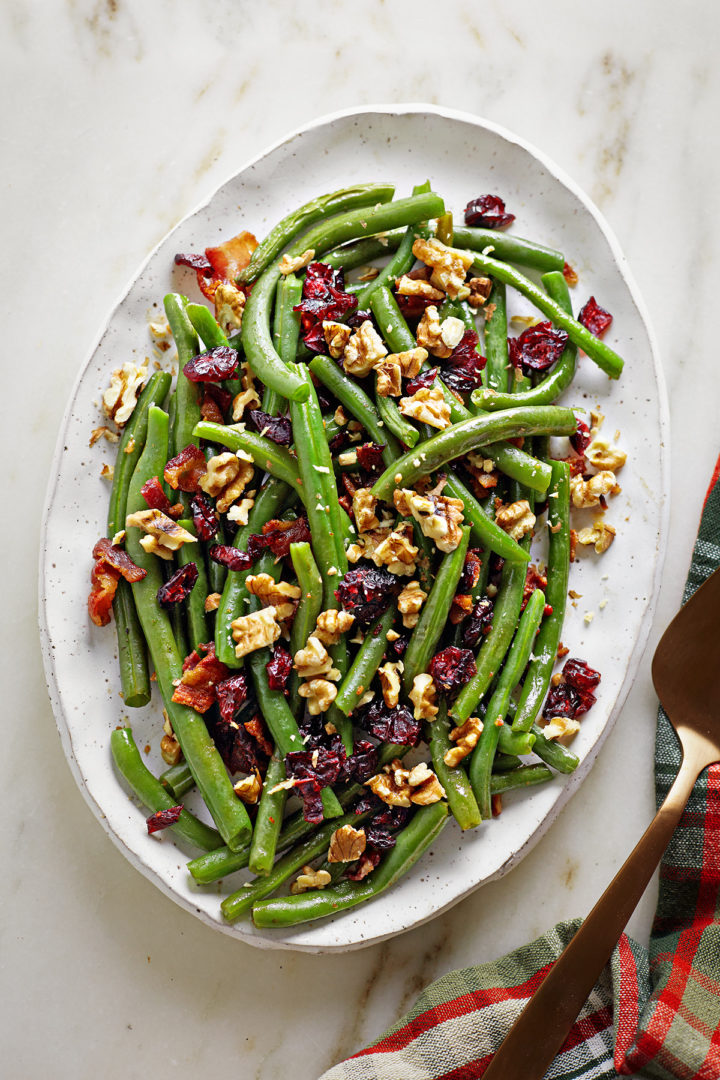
463	157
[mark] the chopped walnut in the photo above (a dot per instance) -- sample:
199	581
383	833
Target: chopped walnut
246	399
364	349
239	512
516	519
410	361
586	493
561	728
409	602
451	331
397	786
227	477
603	456
426	788
121	396
339	415
449	266
289	264
389	377
367	545
170	748
249	789
396	552
229	306
427	405
336	337
331	625
212	601
465	739
271	593
390	682
429	334
320	695
600	534
310	879
423	695
480	289
313	659
408	286
393	793
103	433
438	516
163	535
255	631
364	503
346	844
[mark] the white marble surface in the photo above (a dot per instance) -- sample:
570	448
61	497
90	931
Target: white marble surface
119	117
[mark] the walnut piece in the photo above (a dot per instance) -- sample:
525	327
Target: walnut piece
586	493
249	789
426	788
246	399
397	786
320	694
310	879
451	331
389	377
409	603
289	264
313	659
603	456
229	306
364	349
396	551
103	433
170	748
212	601
408	286
423	696
271	593
346	844
465	739
600	534
427	405
164	536
516	519
227	477
364	503
121	396
254	631
480	289
561	728
390	682
239	512
438	516
449	266
332	624
410	361
336	337
429	334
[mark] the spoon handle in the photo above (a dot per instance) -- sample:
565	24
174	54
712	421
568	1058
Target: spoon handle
540	1030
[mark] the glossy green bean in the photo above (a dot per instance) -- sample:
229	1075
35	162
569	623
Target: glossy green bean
310	606
394	420
509	248
554	753
523	776
496	346
197	621
515	743
367	660
357	403
177	779
458	790
186	393
485	530
266	454
391	320
205	326
361	252
268	820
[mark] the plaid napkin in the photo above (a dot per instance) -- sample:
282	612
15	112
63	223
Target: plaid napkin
654	1012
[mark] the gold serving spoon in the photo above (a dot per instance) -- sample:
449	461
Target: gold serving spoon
686	675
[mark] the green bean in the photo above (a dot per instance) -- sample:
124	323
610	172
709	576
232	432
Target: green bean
470	434
265	453
394	420
549	388
430	625
509	248
205	326
367	660
132	654
197	622
306	215
537	679
310	606
505	762
496	346
412	842
553	753
268	503
484	528
198	748
357	403
484	753
317	503
524	776
401	262
268	821
186	392
286	328
391	320
605	357
153	795
361	252
445	231
515	743
216	572
177	779
461	800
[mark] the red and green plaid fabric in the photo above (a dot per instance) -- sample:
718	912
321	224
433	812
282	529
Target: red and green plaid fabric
655	1012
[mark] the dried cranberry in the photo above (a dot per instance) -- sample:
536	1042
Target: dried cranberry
195	262
186	469
277	428
238	747
154	495
366	592
338	442
212	366
205	519
487	212
581	439
369	457
230	557
179	586
278	668
420	382
396	725
362	763
163	819
313	770
231	694
323	299
412	307
379	838
596	319
357	318
397	647
471	570
537	348
580	675
462	370
364	866
452	668
573	694
278	536
479	622
215	403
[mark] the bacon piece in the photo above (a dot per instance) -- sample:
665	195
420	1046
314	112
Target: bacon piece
278	536
185	470
197	687
104	585
256	727
155	497
115	556
232	256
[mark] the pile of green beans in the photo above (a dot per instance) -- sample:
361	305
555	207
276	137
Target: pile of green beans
312	487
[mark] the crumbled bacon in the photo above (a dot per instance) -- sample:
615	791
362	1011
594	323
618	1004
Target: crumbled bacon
396	725
537	348
232	256
487	212
205	519
533	580
452	668
257	728
277	428
186	469
212	366
278	536
471	570
323	300
104	586
570	275
115	556
462	371
231	693
596	319
179	586
229	556
197	687
215	403
366	592
156	498
163	819
278	668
